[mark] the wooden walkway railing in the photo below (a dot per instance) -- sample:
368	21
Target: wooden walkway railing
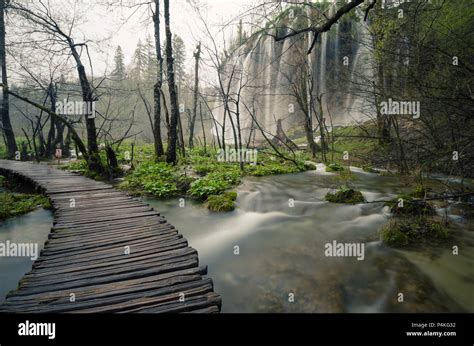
107	252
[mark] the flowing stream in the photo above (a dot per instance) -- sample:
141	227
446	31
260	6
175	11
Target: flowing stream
281	250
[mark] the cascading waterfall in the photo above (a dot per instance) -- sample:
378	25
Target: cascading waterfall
269	70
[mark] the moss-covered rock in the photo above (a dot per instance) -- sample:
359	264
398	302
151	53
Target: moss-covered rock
395	233
334	167
345	194
310	166
223	202
402	232
406	205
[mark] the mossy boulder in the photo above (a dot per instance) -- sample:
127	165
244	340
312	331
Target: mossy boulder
222	202
345	194
407	205
334	167
395	233
310	166
402	232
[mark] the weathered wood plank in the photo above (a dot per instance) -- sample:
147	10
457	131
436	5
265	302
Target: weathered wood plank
84	253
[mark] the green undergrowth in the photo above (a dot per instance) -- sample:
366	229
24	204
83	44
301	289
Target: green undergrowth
355	141
15	204
77	165
201	176
334	167
413	220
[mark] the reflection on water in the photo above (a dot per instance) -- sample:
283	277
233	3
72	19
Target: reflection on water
30	228
281	251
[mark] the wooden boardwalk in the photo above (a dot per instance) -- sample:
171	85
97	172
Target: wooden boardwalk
85	266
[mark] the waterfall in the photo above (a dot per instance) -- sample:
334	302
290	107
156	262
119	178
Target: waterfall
270	67
323	64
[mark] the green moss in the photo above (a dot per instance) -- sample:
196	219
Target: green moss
419	191
310	166
437	230
402	232
353	139
15	204
346	195
231	194
203	169
222	203
369	169
2	180
395	234
274	168
334	167
406	205
78	165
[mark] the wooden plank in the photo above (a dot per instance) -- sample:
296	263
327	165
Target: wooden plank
84	253
105	289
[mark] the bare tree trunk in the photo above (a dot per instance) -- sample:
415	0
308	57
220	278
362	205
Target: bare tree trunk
158	85
202	125
93	160
6	123
173	136
51	143
67	145
112	158
309	91
197	56
75	136
181	136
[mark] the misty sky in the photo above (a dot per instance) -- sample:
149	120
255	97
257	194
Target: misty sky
125	26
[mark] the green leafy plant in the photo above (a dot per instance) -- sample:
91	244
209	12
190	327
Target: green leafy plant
214	183
223	202
334	167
